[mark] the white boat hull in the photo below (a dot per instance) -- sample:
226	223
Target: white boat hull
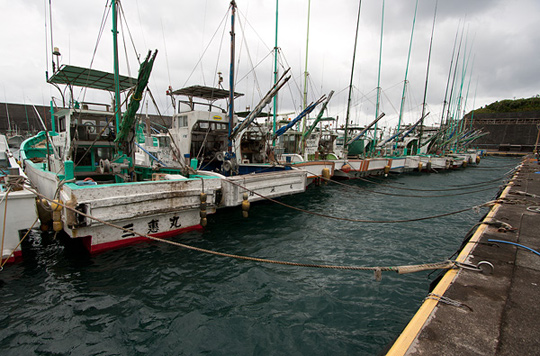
20	214
157	208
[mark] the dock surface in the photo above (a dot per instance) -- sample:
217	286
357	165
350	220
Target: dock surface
488	313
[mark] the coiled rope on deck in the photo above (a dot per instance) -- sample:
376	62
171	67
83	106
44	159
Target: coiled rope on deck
398	269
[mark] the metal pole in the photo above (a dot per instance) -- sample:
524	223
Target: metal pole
406	73
352	75
231	75
116	75
275	75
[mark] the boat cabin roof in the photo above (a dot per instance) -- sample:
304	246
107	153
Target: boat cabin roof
203	92
89	78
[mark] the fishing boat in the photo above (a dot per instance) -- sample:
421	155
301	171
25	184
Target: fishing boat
237	152
84	168
246	163
17	205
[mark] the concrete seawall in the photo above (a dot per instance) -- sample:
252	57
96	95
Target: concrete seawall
492	312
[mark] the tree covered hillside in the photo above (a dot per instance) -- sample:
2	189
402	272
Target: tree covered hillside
517	105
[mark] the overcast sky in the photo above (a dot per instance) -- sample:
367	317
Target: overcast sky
501	48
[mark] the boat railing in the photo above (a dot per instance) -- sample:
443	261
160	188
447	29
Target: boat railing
191	106
96	106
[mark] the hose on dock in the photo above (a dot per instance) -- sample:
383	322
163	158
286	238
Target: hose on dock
515	244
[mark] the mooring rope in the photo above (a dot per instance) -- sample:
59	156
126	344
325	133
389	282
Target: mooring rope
19	244
398	269
353	187
490	182
476	207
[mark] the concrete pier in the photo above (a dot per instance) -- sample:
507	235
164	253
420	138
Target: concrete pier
488	313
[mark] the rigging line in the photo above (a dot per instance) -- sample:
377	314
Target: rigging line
105	16
129	34
428	190
19	244
389	101
399	269
356	220
354	187
284	67
101	132
46	37
255	31
166	54
207	46
218	58
125	48
179	158
253	69
244	41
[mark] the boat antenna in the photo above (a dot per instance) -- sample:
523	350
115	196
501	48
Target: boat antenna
351	81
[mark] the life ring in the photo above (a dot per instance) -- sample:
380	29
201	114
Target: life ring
88	179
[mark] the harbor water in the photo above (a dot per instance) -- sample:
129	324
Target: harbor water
156	298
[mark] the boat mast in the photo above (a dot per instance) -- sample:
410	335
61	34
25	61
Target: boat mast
406	73
474	100
448	82
231	75
305	69
116	70
351	81
427	77
275	75
378	83
448	116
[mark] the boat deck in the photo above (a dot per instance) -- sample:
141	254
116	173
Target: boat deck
492	314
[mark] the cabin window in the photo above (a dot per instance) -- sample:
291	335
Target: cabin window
163	141
103	153
182	121
203	125
82	158
62	124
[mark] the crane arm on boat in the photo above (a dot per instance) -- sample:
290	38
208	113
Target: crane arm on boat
306	111
366	129
265	101
128	119
319	117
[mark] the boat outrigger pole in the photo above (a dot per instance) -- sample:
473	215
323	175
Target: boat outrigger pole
319	117
374	122
260	106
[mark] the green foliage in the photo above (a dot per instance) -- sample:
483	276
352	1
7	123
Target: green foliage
517	105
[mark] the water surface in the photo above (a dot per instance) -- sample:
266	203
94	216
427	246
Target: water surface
154	298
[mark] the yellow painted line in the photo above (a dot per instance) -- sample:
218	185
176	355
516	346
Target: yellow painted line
411	331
